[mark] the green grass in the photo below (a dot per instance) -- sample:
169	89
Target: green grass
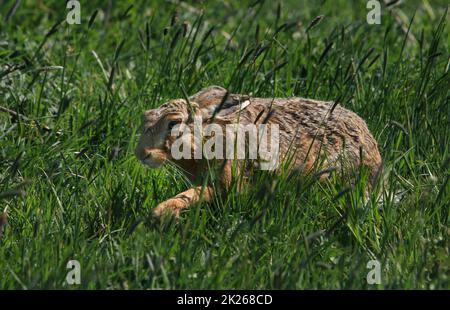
74	190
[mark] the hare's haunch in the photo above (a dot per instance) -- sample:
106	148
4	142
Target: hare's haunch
309	132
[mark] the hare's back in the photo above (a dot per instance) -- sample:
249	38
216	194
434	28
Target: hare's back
323	125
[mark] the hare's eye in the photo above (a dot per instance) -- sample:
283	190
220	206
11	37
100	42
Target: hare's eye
172	124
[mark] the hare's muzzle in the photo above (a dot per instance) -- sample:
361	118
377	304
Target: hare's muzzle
151	157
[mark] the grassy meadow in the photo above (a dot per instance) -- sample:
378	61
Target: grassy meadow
71	103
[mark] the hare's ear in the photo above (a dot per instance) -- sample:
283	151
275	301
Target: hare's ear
208	95
230	104
193	110
216	101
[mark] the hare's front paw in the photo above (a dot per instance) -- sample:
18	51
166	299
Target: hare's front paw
171	206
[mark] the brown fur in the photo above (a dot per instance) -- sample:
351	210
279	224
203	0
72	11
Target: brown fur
311	131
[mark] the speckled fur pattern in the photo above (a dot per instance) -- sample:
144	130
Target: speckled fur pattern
312	133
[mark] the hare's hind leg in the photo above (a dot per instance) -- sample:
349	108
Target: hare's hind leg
173	206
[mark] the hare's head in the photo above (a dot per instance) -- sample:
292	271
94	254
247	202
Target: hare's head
154	144
157	137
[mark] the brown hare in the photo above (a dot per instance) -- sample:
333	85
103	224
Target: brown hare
309	131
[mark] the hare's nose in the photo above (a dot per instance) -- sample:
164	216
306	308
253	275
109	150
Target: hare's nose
143	153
